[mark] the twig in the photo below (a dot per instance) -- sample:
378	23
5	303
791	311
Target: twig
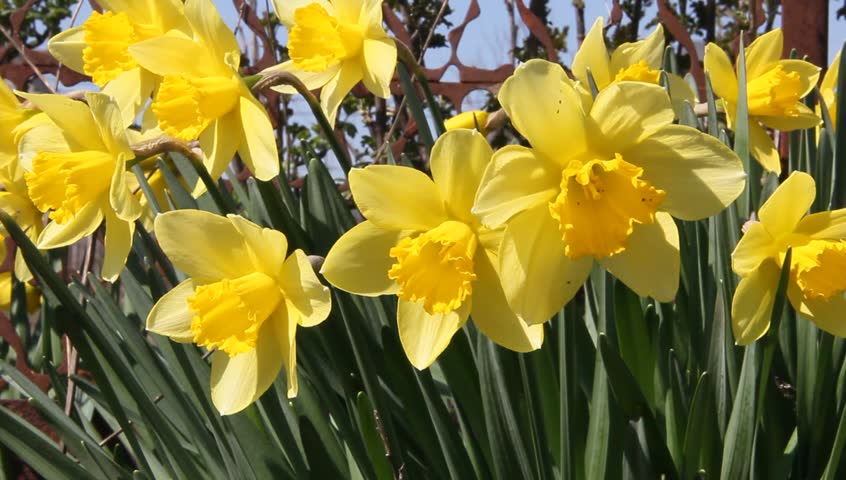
405	55
22	51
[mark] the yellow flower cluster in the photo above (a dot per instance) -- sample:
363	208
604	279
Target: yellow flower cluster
504	237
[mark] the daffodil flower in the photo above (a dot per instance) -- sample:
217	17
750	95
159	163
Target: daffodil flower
599	185
203	97
474	119
335	44
14	200
634	62
244	299
774	88
816	283
421	242
828	89
76	170
100	48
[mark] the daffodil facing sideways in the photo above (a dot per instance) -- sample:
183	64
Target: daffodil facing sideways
244	300
203	97
828	89
634	62
334	44
100	47
816	284
597	185
76	172
774	88
421	242
15	120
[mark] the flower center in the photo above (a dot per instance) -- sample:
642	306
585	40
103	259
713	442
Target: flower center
318	39
774	93
229	313
107	40
436	267
599	203
638	72
185	107
819	267
66	182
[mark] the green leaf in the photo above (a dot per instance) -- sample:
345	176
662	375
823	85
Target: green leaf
370	431
740	433
415	106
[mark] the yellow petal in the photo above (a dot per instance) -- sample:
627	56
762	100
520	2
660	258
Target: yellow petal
47	137
312	80
515	180
267	248
67	47
397	198
359	262
699	173
804	118
72	117
721	71
809	73
625	113
650	263
118	242
593	55
763	52
171	316
829	82
81	225
458	160
545	119
424	336
21	268
258	145
109	124
219	145
826	314
285	9
761	147
680	92
337	88
752	305
174	54
788	204
210	30
237	382
306	296
131	90
755	246
650	49
347	10
491	313
538	279
380	60
824	225
371	18
203	245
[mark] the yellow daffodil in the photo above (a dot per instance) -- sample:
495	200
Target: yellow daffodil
634	62
244	299
335	44
76	170
473	119
816	283
828	89
774	88
203	97
100	47
421	242
33	296
15	201
599	185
